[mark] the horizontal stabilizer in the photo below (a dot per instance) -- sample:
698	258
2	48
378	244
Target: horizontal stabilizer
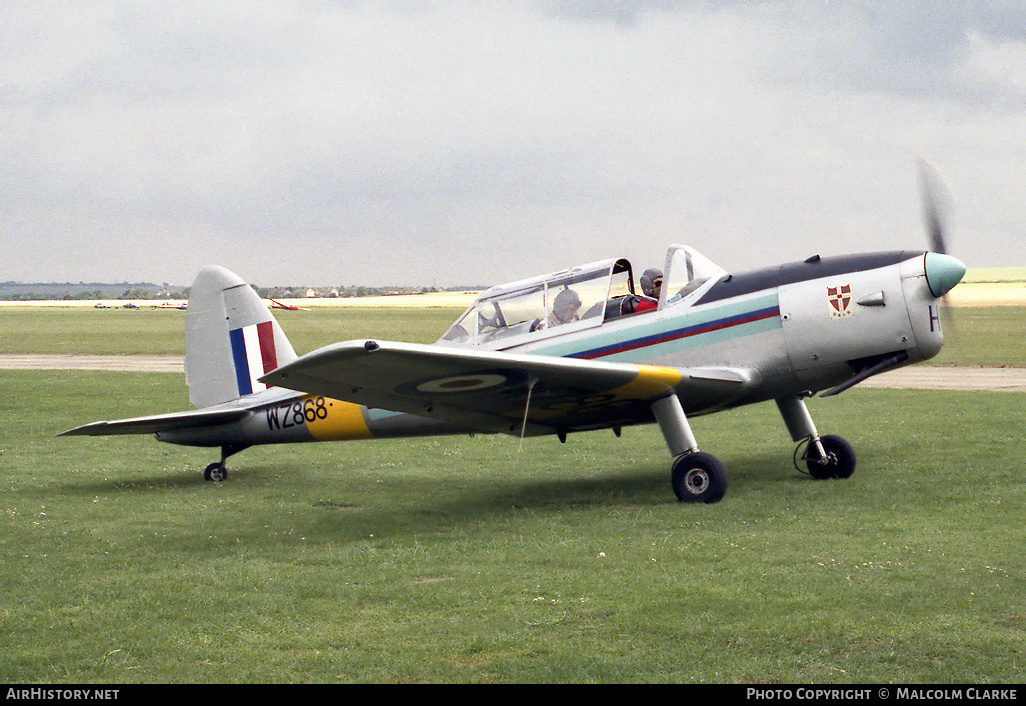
159	422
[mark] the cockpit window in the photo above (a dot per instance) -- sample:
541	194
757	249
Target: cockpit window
564	301
686	270
575	299
510	314
465	328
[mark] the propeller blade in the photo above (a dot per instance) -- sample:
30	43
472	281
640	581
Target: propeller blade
934	229
936	206
935	199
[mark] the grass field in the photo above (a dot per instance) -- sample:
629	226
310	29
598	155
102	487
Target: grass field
463	560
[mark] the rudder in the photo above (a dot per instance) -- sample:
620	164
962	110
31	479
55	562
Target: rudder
231	339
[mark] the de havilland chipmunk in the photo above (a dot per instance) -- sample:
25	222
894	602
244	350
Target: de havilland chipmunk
571	351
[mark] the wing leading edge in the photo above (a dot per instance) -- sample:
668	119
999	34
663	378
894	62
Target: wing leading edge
490	391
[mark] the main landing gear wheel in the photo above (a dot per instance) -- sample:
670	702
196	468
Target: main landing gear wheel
698	478
216	472
839	461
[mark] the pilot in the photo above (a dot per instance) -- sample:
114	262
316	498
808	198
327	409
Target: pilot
566	306
651	284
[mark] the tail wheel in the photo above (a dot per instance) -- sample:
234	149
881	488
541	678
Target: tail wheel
216	471
839	461
699	478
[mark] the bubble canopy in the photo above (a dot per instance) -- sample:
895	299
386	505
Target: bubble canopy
574	299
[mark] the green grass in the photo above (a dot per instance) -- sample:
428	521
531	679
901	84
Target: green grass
461	560
987	336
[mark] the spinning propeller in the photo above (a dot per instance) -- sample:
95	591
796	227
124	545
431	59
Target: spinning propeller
935	197
943	271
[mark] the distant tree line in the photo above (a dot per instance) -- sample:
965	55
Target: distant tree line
17	291
50	291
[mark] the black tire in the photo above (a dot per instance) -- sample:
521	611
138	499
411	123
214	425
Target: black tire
840	461
215	472
699	478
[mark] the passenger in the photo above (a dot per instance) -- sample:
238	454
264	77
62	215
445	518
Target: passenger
565	308
651	284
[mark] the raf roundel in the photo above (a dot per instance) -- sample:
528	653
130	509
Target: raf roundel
462	383
492	379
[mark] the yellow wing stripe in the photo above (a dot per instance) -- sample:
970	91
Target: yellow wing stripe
652	381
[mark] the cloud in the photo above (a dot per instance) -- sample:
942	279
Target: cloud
453	142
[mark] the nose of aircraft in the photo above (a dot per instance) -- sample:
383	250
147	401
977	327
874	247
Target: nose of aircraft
943	272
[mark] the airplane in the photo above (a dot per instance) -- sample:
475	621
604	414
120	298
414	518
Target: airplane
571	351
275	304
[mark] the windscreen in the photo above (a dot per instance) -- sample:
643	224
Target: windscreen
686	271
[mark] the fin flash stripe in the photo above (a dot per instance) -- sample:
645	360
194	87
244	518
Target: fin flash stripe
254	355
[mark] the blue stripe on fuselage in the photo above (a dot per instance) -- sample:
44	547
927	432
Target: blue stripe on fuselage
692	329
683	332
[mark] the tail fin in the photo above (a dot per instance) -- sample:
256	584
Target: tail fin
231	339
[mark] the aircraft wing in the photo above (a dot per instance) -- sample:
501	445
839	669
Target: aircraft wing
158	422
490	390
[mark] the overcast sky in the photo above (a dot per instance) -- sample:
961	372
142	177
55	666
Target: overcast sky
447	142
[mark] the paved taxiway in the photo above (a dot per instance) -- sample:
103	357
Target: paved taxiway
918	377
124	363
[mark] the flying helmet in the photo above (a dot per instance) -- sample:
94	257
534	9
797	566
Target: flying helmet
566	305
651	281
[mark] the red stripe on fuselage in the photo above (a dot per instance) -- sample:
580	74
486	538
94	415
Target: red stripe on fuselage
681	333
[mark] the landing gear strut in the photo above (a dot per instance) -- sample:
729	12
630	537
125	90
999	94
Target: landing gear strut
696	476
826	456
700	477
218	471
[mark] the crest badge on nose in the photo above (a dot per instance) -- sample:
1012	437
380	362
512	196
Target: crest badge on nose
839	300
